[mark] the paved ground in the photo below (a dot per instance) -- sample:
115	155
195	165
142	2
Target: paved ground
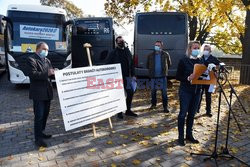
149	140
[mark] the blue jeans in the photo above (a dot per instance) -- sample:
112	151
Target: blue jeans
159	84
41	111
189	102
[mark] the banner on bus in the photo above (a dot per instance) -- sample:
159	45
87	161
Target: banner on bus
90	94
38	32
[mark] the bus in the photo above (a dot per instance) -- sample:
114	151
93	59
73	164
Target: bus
169	27
98	31
27	25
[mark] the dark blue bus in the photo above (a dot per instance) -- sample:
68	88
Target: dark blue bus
97	31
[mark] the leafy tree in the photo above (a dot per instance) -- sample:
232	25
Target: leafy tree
223	23
72	10
245	70
203	15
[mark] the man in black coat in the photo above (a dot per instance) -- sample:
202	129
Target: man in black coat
207	58
39	70
122	55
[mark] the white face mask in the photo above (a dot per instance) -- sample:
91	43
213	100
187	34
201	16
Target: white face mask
206	53
195	52
43	53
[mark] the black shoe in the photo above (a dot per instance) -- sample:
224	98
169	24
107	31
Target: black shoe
166	110
40	143
152	107
46	136
209	114
181	142
131	113
119	115
192	140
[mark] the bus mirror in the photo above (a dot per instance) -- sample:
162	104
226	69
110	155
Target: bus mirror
70	22
1	24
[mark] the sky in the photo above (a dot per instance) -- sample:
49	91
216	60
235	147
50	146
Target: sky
89	7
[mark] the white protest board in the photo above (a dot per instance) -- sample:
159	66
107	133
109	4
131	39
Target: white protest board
90	94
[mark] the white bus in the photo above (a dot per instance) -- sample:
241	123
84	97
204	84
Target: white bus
27	25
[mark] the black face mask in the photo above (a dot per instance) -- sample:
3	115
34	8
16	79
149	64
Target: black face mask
121	44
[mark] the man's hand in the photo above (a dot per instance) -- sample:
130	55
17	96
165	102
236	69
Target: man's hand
51	72
191	77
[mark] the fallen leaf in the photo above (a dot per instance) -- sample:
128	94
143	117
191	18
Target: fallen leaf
117	152
123	136
134	139
153	126
42	149
145	143
234	150
139	134
113	165
109	142
158	159
136	162
41	158
124	145
169	150
92	150
147	137
184	165
188	158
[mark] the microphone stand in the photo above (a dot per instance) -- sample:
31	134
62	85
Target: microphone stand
215	155
225	152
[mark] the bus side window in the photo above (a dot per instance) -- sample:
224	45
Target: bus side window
9	35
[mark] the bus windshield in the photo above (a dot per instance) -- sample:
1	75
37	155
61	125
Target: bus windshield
161	24
93	27
30	28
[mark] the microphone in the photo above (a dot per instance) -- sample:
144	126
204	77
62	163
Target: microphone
223	68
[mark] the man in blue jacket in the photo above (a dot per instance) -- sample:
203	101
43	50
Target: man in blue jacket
158	64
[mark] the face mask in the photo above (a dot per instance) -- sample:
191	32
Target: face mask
157	48
121	44
206	53
43	53
195	52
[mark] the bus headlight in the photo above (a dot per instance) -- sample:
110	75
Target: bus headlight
14	64
67	63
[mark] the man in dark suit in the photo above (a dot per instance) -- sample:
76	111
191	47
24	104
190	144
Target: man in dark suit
39	70
122	55
207	58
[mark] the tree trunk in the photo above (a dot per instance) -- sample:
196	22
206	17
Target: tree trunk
192	27
245	62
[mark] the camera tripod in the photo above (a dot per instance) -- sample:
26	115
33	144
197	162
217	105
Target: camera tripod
225	153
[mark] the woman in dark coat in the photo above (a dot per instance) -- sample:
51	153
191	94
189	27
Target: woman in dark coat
189	95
